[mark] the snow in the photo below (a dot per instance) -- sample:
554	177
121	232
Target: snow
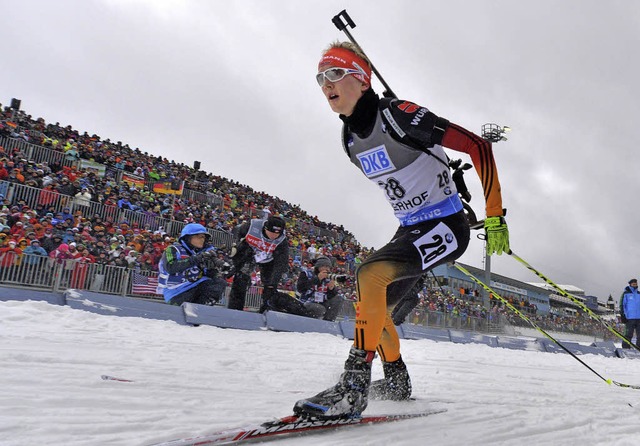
196	380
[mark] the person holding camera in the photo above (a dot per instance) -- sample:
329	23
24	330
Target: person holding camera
261	242
316	289
189	269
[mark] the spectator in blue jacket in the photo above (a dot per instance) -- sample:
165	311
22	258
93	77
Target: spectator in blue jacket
630	312
34	251
189	269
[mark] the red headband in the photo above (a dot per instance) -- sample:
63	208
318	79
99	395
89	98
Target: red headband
344	58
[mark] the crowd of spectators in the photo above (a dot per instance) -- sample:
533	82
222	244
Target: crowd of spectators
235	202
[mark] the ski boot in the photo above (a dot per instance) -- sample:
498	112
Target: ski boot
348	398
396	384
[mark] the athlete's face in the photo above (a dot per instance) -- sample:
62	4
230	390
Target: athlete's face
343	94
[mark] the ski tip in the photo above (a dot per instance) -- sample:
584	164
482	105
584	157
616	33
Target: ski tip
113	378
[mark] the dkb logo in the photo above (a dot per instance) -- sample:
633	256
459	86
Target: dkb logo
375	161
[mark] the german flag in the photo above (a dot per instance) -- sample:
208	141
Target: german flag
134	180
173	187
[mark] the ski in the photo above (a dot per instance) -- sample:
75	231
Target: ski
288	427
113	378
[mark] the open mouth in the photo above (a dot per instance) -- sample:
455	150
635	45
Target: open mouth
333	97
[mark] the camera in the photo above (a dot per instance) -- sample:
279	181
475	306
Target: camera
340	278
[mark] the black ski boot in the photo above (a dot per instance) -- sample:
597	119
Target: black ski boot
396	384
348	398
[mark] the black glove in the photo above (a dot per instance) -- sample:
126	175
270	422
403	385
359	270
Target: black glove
403	308
623	318
205	259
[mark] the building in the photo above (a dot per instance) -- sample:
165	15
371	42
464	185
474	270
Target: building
541	296
508	288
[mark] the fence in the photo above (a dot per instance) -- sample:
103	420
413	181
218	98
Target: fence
33	196
44	273
35	271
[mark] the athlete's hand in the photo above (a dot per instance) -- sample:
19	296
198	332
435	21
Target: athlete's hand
497	235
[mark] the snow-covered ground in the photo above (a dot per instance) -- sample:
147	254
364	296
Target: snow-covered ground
195	380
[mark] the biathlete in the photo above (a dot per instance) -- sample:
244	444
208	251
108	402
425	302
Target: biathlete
399	146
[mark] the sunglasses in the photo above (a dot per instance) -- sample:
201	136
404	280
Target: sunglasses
334	74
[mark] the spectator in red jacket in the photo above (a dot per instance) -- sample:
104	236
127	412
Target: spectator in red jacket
9	258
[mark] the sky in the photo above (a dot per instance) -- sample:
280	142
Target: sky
231	84
190	381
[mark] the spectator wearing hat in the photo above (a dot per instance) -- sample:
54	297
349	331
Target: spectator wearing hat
317	289
73	249
34	254
68	236
3	223
23	243
51	243
261	242
10	257
4	173
630	313
82	200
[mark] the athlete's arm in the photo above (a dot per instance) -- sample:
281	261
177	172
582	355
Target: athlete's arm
462	140
423	129
174	264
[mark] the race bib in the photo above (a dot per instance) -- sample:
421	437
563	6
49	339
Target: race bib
261	257
435	245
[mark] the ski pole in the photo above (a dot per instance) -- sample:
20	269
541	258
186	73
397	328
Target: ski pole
573	299
534	325
342	26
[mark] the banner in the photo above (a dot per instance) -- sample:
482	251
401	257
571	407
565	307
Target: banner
92	166
133	180
174	187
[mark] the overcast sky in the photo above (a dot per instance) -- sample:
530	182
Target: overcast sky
231	84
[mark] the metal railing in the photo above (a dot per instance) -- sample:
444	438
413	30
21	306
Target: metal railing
33	196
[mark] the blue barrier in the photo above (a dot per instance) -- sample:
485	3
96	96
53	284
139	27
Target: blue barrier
521	344
277	321
24	294
348	329
222	317
467	337
418	332
627	353
577	349
123	306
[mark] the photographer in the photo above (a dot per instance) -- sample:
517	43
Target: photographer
189	269
317	290
263	242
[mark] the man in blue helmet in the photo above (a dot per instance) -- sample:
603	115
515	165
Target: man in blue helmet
189	269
